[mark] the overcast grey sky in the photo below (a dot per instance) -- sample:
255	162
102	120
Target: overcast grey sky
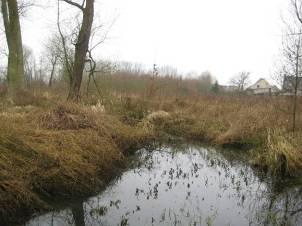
221	36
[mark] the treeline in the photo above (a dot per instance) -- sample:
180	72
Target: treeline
118	78
67	60
162	82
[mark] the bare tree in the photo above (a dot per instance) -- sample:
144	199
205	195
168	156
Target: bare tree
24	5
241	80
66	53
297	10
292	52
81	45
53	62
29	65
291	67
15	71
94	67
54	54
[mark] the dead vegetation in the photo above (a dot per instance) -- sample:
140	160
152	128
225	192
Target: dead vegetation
257	123
63	152
67	150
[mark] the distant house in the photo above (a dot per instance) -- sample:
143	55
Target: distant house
262	87
289	84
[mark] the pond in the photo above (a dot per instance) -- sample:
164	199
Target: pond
187	185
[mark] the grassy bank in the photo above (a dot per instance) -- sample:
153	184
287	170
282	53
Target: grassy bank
58	152
261	124
50	150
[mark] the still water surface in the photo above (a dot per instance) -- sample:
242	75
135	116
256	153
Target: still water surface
187	185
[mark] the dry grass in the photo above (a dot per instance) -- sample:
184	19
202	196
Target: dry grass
261	123
65	149
62	151
281	150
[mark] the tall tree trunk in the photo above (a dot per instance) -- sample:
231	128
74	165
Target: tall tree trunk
81	48
15	68
296	85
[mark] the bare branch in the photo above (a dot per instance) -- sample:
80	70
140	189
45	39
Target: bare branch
81	7
83	3
92	71
297	10
69	67
241	80
104	36
24	5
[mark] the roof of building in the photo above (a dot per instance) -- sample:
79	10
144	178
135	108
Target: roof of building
264	85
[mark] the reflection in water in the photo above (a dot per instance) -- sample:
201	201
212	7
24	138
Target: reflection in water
187	186
78	214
